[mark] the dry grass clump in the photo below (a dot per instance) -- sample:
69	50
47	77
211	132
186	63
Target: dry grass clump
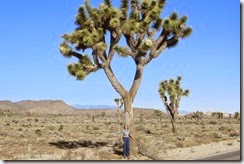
79	154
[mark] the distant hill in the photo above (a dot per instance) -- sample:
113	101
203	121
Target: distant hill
9	105
38	107
183	112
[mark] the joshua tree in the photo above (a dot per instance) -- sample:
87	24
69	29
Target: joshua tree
173	90
120	103
218	115
197	115
100	30
158	114
147	35
237	115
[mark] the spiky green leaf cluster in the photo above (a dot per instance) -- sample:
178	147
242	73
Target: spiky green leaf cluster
77	70
134	19
146	14
65	50
81	69
81	16
86	61
119	102
122	51
100	47
115	22
175	25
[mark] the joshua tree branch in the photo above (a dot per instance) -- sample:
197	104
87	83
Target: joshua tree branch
137	77
131	42
114	81
113	40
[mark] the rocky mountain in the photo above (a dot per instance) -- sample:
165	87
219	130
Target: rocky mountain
38	107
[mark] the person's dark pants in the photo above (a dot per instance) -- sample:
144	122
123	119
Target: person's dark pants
126	147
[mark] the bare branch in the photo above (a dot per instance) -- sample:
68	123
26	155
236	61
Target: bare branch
96	61
139	39
131	42
160	39
155	53
114	39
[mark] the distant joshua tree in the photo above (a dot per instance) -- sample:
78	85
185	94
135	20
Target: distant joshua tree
119	102
197	115
218	115
158	114
173	90
237	115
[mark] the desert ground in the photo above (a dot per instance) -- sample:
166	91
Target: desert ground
95	135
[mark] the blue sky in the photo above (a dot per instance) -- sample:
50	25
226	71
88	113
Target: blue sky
31	66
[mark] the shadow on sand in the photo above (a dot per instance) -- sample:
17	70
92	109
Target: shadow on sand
77	144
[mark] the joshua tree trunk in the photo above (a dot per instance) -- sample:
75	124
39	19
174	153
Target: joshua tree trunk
172	116
128	96
174	127
128	110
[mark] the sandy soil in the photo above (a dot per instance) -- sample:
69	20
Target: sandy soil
201	150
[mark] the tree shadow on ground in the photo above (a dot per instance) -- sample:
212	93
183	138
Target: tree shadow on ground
77	144
117	148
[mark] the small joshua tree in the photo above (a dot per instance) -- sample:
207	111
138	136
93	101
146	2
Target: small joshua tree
173	90
197	115
218	115
158	114
120	103
237	115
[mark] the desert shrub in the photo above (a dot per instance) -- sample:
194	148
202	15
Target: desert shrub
88	116
21	136
140	128
20	129
235	134
51	128
15	121
61	127
180	144
213	122
148	131
108	123
230	143
38	132
103	114
96	128
216	135
36	120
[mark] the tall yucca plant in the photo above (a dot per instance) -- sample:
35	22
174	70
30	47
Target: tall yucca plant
147	35
172	91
